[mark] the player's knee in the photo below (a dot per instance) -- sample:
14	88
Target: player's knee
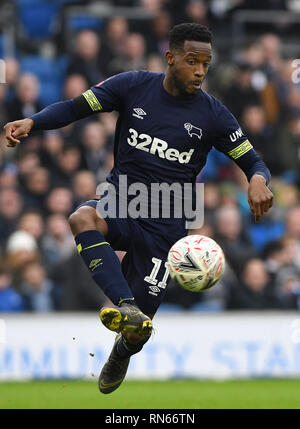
83	219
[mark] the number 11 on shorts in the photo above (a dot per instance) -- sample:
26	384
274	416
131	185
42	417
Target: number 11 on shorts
152	277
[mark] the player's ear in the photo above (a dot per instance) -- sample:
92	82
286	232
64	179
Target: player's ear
170	58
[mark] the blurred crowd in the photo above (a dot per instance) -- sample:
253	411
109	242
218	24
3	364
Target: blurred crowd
46	177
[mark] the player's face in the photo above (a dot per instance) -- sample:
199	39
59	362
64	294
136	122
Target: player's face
189	66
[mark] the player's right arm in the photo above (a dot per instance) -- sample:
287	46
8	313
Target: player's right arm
14	131
54	116
105	97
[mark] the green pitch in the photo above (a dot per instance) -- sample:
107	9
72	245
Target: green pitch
177	394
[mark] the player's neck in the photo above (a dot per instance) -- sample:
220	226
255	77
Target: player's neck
172	89
169	86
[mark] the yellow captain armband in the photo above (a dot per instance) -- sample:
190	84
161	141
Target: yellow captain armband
240	150
92	100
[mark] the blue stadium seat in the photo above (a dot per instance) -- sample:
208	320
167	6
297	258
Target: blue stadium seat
82	22
266	231
51	92
38	18
51	74
62	2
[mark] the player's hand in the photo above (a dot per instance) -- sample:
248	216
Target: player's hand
14	131
260	197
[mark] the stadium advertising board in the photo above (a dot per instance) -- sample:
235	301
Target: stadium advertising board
202	345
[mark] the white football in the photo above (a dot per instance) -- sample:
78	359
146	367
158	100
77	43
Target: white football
196	262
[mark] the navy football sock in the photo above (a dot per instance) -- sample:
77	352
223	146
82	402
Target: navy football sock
125	349
104	266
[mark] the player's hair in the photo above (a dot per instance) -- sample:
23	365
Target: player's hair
188	31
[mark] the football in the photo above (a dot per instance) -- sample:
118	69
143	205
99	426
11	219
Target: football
196	262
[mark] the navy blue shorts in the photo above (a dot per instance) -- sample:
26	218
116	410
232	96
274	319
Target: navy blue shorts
144	265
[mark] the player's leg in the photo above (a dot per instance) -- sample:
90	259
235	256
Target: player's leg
143	266
91	233
115	369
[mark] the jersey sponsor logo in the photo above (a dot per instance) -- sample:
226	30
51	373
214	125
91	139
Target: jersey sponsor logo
139	112
237	134
157	147
192	130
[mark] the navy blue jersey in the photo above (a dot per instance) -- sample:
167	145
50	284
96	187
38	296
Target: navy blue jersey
160	138
163	139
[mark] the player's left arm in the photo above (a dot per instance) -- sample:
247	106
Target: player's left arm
230	140
260	197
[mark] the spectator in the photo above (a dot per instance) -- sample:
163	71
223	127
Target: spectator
152	6
255	291
74	86
10	300
158	36
68	162
21	250
93	143
25	103
109	121
11	204
84	186
33	223
288	289
273	255
255	127
26	163
286	196
232	237
253	55
3	110
52	146
134	56
241	93
106	169
197	11
36	187
114	40
212	201
287	282
60	200
79	292
155	63
38	291
86	59
271	45
9	176
293	230
12	74
57	244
